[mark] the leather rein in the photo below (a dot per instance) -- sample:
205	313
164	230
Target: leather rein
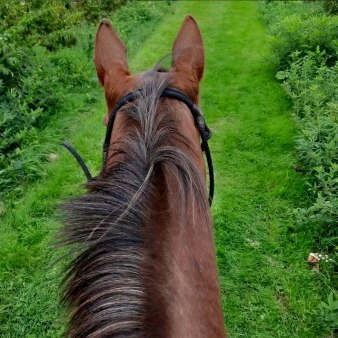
172	93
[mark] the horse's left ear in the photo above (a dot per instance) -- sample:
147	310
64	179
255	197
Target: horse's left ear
188	50
110	52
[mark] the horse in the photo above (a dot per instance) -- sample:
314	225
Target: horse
141	237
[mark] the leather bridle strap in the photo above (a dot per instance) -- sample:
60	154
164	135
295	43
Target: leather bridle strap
205	132
169	93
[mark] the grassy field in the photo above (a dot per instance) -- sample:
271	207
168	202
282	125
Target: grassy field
267	287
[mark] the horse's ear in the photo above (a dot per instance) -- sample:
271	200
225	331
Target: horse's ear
188	50
110	52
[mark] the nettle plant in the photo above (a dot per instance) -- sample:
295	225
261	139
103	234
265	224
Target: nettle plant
327	313
305	51
313	87
310	82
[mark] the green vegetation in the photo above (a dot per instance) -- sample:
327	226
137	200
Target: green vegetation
268	290
304	47
46	67
47	99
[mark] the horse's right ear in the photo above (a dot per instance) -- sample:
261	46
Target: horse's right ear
110	54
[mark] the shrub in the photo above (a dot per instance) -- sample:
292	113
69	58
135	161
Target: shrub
313	87
94	10
327	314
273	12
46	50
330	6
307	43
299	26
294	33
304	47
311	83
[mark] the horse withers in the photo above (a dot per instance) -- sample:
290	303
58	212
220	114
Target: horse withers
142	235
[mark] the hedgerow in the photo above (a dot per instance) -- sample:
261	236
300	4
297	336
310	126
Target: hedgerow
45	59
304	47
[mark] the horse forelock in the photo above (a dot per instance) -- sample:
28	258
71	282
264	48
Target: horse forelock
109	282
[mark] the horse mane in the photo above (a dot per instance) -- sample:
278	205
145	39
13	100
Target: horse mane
109	279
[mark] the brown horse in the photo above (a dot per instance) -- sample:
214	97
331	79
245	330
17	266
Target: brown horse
145	261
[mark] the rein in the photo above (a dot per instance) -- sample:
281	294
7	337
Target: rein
172	93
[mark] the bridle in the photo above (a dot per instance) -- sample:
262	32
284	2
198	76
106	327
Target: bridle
172	93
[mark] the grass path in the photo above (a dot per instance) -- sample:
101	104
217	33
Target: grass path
267	288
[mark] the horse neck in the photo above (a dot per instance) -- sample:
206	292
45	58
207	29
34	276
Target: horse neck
179	272
188	284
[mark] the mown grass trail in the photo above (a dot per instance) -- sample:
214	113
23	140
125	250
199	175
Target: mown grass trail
267	288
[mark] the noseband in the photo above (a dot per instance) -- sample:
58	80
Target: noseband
172	93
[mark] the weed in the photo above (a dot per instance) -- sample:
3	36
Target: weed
304	45
327	313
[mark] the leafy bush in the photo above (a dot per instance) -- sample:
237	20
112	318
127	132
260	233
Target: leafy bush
301	31
327	314
274	12
313	87
331	6
46	50
311	83
304	47
131	20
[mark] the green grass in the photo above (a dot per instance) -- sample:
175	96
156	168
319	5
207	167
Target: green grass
267	287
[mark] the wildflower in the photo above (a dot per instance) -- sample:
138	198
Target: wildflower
316	257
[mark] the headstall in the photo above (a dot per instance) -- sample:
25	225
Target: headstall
172	93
